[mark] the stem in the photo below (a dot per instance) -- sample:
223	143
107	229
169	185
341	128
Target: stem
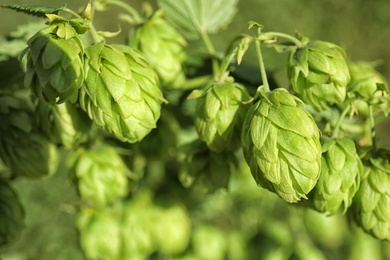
292	39
70	11
210	49
128	8
262	67
338	123
372	124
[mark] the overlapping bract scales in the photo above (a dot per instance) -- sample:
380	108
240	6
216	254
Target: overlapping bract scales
121	93
220	113
371	205
341	170
281	144
55	68
319	74
163	46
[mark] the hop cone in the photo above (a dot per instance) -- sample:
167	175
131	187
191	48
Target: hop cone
203	169
102	175
162	46
367	87
281	144
11	214
371	203
220	114
319	74
121	92
340	176
100	232
55	63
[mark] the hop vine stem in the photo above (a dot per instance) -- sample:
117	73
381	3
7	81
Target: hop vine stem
210	49
262	67
343	114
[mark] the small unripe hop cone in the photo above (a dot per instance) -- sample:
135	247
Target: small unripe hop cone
280	141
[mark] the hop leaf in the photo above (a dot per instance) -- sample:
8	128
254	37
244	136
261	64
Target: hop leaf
55	63
121	92
11	214
101	175
280	141
163	47
371	203
319	74
220	114
341	169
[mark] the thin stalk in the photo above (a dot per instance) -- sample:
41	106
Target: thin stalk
338	123
127	8
262	67
292	39
70	11
372	124
210	49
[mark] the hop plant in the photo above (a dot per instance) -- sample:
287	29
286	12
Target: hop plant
121	93
280	141
101	175
339	180
220	113
371	202
319	74
11	214
162	46
55	69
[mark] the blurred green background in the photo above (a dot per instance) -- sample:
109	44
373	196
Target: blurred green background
362	27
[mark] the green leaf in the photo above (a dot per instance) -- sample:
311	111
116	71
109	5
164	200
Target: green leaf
193	17
35	10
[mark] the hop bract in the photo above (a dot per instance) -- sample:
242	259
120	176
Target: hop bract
340	176
280	141
163	47
101	175
371	203
220	114
319	74
121	93
55	69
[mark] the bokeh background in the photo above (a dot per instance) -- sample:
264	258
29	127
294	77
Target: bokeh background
362	27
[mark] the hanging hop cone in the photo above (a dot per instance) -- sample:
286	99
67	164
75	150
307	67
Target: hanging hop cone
367	87
220	113
11	214
280	141
319	74
339	180
370	206
101	175
121	93
55	61
163	47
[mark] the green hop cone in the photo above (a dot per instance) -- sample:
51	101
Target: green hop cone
101	175
11	214
205	170
280	141
163	47
371	203
55	68
220	113
319	74
339	180
367	87
100	232
121	93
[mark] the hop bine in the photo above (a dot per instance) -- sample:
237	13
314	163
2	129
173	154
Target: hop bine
55	69
319	74
121	93
280	141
